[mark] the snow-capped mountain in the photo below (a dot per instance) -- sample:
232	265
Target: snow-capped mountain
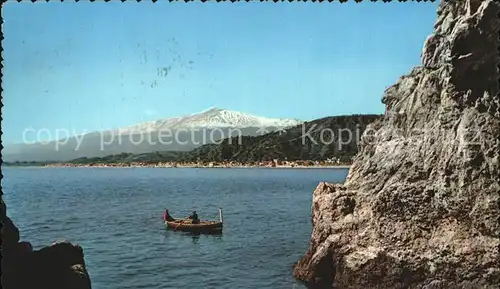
210	119
186	133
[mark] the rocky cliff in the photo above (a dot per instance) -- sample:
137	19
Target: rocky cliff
59	266
419	208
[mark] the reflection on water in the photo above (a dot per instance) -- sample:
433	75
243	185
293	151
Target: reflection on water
196	237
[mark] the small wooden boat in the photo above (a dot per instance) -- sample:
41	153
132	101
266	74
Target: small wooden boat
206	227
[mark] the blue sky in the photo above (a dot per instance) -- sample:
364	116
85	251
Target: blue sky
92	66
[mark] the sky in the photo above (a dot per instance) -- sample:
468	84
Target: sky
85	66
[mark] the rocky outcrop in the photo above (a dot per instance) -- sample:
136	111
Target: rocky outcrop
59	266
419	208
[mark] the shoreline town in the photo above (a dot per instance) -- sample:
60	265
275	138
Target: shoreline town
231	164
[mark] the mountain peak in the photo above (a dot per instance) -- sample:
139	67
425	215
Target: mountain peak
211	109
213	117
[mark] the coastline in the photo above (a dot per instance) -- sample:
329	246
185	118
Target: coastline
195	165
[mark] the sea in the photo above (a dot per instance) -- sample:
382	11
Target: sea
115	214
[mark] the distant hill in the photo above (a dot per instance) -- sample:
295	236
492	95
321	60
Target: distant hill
321	139
171	134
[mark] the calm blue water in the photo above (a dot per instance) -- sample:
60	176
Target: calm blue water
116	216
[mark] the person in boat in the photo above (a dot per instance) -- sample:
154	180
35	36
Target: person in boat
194	218
167	217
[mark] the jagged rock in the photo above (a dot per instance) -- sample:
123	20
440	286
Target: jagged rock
59	266
419	208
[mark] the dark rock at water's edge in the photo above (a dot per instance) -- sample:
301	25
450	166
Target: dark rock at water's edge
419	208
58	266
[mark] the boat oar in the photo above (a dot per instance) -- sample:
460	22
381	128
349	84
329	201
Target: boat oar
180	223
